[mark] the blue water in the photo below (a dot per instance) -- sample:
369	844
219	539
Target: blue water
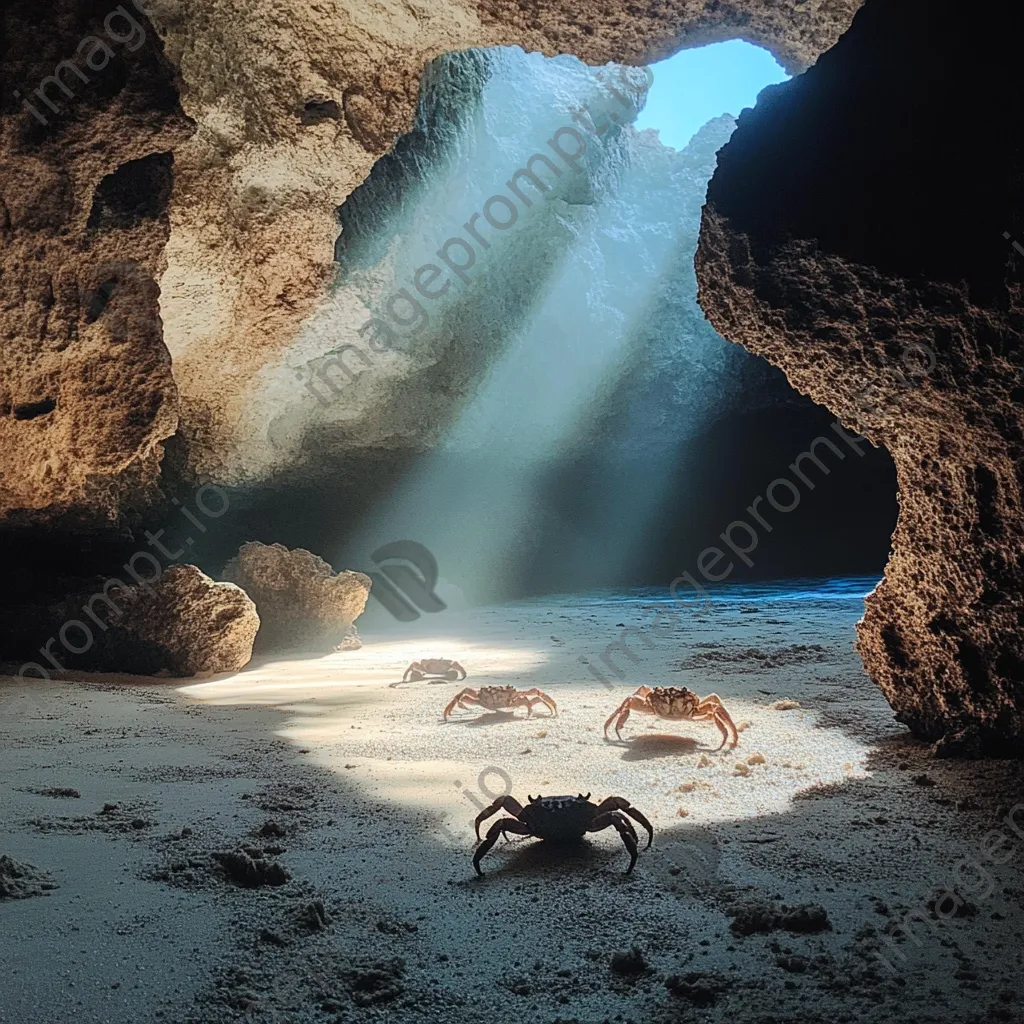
843	588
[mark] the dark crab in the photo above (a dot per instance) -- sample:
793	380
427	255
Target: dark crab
562	819
439	668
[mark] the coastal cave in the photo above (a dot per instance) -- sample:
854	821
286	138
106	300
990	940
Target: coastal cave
660	427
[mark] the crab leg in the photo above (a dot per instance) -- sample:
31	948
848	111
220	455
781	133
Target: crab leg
722	728
618	803
721	715
503	803
458	668
541	697
711	707
625	830
714	699
636	702
522	700
468	694
497	829
412	673
703	716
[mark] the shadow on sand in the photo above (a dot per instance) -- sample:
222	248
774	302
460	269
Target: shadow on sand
661	744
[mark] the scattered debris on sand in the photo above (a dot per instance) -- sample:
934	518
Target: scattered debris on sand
249	869
696	987
784	705
630	964
311	917
742	658
379	981
112	818
57	792
763	916
20	881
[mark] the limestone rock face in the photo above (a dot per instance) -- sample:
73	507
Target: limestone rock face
855	235
86	392
302	602
182	624
294	104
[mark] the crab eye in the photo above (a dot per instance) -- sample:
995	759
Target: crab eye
530	799
587	797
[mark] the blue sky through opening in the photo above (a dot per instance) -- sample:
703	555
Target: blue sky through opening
696	85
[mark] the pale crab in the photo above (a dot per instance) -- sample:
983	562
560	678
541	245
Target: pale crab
438	668
501	698
676	702
562	819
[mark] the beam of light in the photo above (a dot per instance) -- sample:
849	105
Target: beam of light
481	501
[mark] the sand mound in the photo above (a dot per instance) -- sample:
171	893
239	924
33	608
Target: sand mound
19	881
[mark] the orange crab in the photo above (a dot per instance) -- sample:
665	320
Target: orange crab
676	702
501	698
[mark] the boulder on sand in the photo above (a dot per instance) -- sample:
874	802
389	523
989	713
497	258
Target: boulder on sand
180	623
302	602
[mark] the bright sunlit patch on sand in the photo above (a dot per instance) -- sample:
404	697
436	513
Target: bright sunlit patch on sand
391	745
410	759
303	678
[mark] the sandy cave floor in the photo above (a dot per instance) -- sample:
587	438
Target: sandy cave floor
293	843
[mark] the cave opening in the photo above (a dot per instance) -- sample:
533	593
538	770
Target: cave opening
512	368
611	553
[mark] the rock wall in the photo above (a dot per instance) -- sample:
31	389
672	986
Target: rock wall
86	163
294	105
859	233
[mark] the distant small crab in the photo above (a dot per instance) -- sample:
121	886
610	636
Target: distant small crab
501	698
562	819
675	702
440	668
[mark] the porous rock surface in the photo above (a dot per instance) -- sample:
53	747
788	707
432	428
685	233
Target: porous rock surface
182	624
294	105
302	602
209	152
854	236
86	391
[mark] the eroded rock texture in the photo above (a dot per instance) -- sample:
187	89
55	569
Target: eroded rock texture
302	603
86	392
181	624
294	104
855	225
